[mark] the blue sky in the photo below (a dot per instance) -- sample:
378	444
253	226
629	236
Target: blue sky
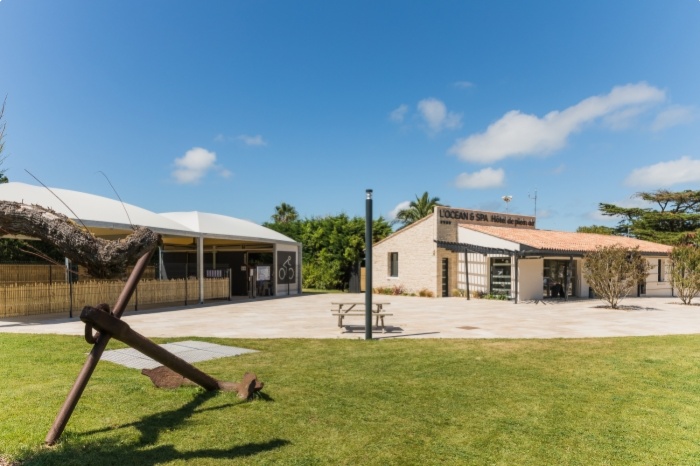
232	107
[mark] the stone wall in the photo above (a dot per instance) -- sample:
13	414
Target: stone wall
418	258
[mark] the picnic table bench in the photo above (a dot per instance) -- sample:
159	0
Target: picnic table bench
349	309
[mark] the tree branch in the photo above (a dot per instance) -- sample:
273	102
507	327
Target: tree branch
102	258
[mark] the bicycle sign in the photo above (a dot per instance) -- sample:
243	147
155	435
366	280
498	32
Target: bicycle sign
286	267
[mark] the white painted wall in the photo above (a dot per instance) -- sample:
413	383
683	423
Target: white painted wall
468	236
654	286
531	277
478	273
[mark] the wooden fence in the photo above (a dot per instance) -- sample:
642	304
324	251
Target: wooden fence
22	299
48	273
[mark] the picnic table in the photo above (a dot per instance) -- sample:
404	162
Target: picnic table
350	308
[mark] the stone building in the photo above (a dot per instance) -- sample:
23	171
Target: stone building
461	252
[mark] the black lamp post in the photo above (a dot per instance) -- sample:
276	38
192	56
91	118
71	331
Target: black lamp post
368	266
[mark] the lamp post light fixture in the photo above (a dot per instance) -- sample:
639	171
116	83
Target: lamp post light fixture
507	200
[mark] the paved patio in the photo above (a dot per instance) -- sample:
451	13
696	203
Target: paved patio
309	316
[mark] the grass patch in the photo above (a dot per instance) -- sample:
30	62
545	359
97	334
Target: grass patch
525	402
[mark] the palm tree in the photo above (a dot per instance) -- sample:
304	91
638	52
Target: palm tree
421	207
284	213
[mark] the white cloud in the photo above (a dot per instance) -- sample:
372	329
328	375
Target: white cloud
219	138
673	116
486	178
256	140
194	165
435	114
400	206
517	133
463	84
399	113
625	118
664	174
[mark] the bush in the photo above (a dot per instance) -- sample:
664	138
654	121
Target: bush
426	293
322	275
459	293
614	271
396	290
685	272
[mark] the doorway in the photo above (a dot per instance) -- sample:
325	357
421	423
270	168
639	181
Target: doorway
445	277
555	283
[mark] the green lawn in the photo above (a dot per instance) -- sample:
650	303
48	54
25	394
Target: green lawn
396	401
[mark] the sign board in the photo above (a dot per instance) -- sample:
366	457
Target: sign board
475	217
263	272
286	267
448	219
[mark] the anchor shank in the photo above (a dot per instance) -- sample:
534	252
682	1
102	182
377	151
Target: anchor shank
59	424
108	324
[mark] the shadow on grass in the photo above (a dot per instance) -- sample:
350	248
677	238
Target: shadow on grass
112	452
81	450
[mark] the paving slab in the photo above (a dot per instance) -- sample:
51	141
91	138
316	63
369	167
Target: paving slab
190	351
309	316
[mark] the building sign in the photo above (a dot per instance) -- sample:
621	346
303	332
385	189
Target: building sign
286	267
484	218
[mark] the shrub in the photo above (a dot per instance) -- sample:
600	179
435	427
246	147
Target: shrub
396	290
459	293
426	293
614	271
685	272
322	275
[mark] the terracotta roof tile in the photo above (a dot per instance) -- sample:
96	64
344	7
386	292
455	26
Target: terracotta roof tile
566	240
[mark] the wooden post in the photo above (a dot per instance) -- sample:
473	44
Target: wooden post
517	278
466	270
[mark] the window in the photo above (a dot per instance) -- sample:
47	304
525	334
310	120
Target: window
393	264
500	276
661	271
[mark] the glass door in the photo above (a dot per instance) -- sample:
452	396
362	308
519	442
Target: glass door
445	278
555	283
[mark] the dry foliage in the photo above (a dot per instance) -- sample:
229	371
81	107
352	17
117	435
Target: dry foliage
614	271
685	272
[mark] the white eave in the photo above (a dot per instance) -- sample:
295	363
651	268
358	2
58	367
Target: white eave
224	227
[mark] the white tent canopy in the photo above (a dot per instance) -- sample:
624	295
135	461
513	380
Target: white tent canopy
96	212
183	231
223	227
101	213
